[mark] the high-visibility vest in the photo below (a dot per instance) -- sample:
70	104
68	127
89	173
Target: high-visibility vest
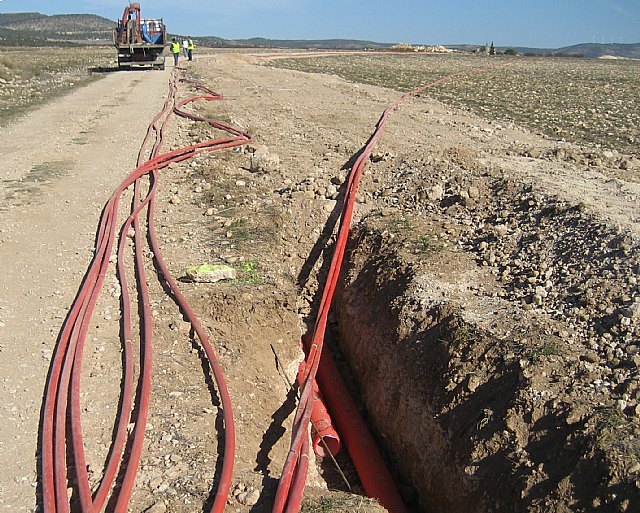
191	46
175	47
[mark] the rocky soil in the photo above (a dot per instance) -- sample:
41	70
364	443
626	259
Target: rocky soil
488	311
30	77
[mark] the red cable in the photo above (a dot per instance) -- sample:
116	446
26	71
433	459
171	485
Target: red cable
62	395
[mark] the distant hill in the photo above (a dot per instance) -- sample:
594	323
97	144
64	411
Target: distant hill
10	37
318	44
586	50
35	28
592	50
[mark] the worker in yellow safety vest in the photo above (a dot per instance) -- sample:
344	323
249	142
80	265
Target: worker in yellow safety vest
191	46
175	50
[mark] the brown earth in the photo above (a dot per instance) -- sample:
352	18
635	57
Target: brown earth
488	306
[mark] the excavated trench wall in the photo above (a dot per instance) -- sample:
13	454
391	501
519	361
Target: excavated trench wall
408	359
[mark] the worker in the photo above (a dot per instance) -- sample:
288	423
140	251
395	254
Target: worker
175	50
191	46
185	47
131	30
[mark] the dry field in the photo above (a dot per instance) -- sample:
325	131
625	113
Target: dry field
591	102
33	76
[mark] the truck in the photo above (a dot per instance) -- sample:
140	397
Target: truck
139	41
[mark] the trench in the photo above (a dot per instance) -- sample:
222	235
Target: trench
422	402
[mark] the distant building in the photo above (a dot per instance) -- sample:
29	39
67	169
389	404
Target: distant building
406	47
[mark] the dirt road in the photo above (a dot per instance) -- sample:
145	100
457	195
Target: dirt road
59	165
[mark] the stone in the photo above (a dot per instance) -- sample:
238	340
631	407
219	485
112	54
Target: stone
158	507
263	161
632	311
207	273
252	497
473	383
591	357
473	192
435	193
500	230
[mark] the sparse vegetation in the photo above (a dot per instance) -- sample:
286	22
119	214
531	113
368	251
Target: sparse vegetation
547	349
249	274
399	225
32	76
427	243
616	432
335	504
590	102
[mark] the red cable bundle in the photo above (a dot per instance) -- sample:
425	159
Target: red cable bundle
62	396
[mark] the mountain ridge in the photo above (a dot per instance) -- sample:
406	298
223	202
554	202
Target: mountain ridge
36	29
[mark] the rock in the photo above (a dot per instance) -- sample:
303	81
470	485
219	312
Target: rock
331	191
158	507
380	156
591	357
632	311
435	193
248	498
533	153
473	383
575	415
207	273
155	483
180	325
500	230
329	206
263	161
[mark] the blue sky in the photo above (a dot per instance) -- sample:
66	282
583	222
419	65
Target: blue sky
541	23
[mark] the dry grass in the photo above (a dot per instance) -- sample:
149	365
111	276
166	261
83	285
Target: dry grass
32	76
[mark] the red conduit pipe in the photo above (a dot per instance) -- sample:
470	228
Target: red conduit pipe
362	447
126	487
124	413
224	483
324	436
54	493
53	433
323	433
